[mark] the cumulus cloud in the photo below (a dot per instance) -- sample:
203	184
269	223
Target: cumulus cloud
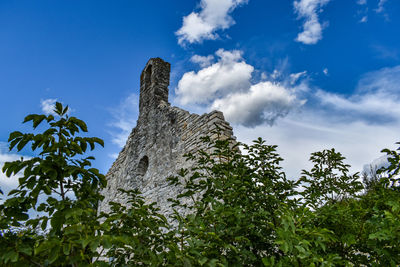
214	15
124	119
203	61
47	105
264	102
226	85
362	2
312	28
230	74
358	125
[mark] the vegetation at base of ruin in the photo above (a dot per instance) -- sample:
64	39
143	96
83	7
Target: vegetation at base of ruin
242	210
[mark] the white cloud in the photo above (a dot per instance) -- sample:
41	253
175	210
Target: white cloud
47	105
229	74
7	183
124	119
299	134
275	74
312	28
294	77
358	125
385	80
226	85
10	183
362	11
203	61
364	19
214	15
264	102
114	156
263	76
375	106
371	168
376	98
380	7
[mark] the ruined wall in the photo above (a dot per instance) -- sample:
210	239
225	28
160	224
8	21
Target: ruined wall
155	148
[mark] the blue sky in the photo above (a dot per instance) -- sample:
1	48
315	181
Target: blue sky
303	74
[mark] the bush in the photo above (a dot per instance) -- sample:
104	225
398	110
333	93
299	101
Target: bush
239	209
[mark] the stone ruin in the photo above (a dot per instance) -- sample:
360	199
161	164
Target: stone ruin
156	146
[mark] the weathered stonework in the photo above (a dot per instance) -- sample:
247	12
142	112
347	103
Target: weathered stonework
155	148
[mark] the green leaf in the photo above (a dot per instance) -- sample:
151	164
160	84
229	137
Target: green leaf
13	256
26	249
94	244
43	225
29	118
58	109
14	135
57	220
49	118
53	255
202	261
43	246
22	216
65	110
83	145
66	249
268	261
37	120
57	163
14	142
106	242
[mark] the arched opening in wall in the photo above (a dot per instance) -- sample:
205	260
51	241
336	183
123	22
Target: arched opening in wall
147	76
143	166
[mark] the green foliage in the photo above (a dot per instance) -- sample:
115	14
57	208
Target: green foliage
393	171
236	208
60	185
244	212
329	180
235	216
135	233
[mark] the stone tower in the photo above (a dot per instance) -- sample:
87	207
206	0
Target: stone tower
155	148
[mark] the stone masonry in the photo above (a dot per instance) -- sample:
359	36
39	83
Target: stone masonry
155	148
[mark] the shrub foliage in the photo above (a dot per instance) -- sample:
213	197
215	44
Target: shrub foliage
237	208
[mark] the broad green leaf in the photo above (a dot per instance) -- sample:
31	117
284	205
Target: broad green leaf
66	249
53	255
26	249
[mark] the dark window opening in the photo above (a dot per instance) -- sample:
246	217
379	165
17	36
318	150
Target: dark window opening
143	166
147	76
